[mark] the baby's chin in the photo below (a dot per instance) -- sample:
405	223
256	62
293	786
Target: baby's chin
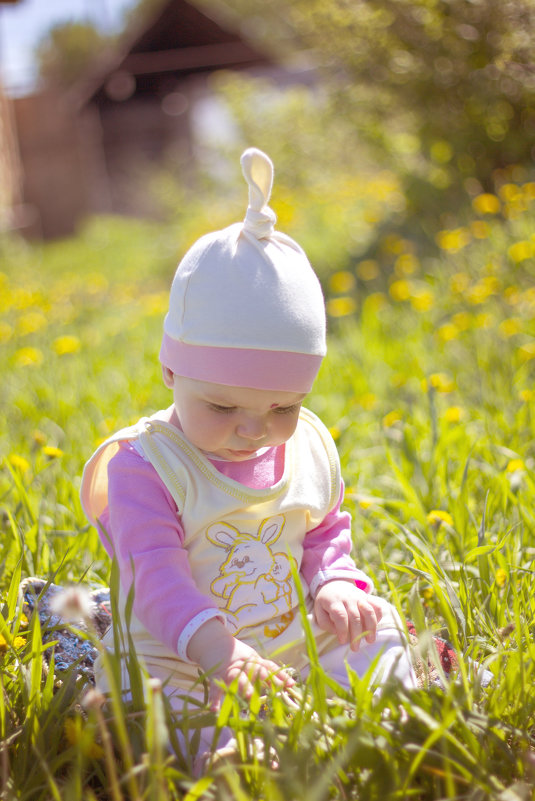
236	455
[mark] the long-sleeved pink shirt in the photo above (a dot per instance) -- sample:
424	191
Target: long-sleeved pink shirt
142	528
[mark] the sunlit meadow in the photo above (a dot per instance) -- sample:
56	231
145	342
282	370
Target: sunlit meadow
428	391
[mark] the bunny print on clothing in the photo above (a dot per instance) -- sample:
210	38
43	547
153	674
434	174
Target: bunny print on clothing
254	576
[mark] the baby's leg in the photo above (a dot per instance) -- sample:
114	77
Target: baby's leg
390	649
187	699
199	744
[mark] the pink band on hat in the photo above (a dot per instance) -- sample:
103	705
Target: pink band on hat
283	371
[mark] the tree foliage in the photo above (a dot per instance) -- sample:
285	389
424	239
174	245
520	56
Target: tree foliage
443	90
66	52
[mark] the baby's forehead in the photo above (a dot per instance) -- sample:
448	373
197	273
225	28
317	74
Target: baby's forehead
243	397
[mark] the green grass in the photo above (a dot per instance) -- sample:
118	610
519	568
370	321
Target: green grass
428	390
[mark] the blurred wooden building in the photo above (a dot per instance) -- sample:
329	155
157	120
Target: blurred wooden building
87	151
10	164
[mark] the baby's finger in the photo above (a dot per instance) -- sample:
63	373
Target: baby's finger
214	697
356	628
378	612
368	619
273	672
322	619
339	617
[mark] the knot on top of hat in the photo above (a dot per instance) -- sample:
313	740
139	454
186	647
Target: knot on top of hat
257	169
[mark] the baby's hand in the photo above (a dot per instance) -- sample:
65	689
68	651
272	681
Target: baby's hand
345	610
250	668
226	658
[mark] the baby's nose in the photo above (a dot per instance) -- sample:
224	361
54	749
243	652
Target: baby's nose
252	428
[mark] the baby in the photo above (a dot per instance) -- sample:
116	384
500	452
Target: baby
212	506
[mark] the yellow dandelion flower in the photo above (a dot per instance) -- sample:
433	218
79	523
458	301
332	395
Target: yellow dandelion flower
391	418
422	300
367	400
398	380
500	577
6	332
510	327
74	735
454	240
66	344
285	212
462	320
453	414
31	322
368	269
155	303
365	503
28	357
400	290
441	382
439	516
334	431
485	320
39	438
19	462
17	642
486	204
526	352
515	464
481	291
526	395
52	452
375	302
341	307
95	751
459	282
342	282
509	192
480	229
428	593
393	243
520	251
71	731
406	264
447	332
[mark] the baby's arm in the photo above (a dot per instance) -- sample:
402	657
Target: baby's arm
226	658
327	552
342	603
347	611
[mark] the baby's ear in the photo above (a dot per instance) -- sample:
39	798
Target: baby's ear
168	377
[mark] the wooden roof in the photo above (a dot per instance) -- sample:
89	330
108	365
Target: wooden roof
177	41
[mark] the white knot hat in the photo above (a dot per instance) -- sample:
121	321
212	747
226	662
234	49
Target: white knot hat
246	308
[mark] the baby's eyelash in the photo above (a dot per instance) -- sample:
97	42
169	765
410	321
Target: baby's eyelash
222	409
287	409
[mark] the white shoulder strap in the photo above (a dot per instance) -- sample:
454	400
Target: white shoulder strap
94	487
330	452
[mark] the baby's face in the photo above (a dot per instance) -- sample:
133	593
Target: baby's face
233	422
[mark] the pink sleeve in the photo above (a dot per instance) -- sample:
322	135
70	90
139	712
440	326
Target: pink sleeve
327	552
145	530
